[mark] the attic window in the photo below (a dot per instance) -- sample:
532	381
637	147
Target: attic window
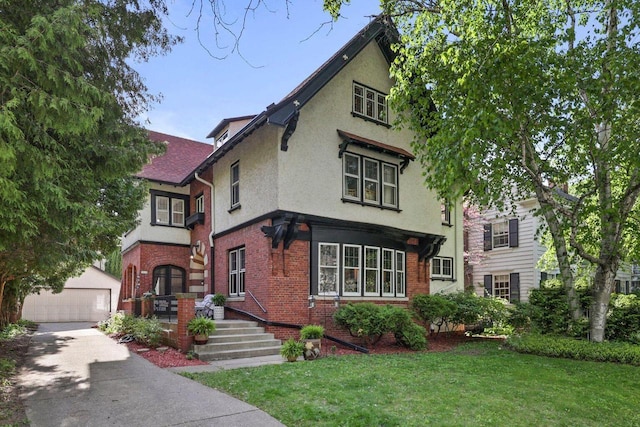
222	138
369	104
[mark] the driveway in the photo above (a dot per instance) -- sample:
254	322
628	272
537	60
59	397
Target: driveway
76	376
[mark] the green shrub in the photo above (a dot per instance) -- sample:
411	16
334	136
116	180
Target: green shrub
147	331
412	336
311	332
370	322
432	309
469	309
119	323
363	320
571	348
623	318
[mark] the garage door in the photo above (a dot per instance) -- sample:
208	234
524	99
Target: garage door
70	305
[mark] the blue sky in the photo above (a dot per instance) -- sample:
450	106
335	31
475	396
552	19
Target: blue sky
278	52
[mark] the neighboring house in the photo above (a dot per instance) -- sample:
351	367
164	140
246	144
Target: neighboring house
157	255
313	203
512	248
91	297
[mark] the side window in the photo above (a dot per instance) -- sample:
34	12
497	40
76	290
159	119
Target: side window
378	180
200	203
168	208
235	185
369	103
236	271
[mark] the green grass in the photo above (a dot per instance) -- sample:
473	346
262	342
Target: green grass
479	384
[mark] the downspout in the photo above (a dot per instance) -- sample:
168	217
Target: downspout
212	222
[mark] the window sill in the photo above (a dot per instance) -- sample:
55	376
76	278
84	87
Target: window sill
154	224
358	202
232	298
447	224
370	119
234	208
443	278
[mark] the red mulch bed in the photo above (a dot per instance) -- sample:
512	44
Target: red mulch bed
171	358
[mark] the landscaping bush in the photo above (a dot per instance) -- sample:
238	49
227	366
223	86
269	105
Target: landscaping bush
363	320
370	322
118	323
147	331
623	318
470	309
432	309
571	348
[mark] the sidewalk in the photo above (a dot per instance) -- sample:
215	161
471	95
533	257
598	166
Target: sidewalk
75	375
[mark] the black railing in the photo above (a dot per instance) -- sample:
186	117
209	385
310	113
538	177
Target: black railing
165	306
293	326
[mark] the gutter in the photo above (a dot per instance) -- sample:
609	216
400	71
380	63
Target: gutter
212	188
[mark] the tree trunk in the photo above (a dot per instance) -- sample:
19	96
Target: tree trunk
604	281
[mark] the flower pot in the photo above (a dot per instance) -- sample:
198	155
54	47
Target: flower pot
200	339
312	349
218	312
292	358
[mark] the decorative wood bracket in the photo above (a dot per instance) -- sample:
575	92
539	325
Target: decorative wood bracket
288	131
283	229
343	147
429	246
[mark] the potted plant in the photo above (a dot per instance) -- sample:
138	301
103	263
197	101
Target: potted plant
292	349
201	328
311	336
218	306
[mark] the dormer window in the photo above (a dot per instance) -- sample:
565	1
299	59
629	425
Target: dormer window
369	104
222	138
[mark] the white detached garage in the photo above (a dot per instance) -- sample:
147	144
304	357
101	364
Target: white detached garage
89	298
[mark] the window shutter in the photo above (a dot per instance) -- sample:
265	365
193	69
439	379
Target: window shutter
513	233
514	287
487	237
488	285
543	277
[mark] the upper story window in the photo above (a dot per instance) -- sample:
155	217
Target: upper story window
370	181
235	185
369	103
222	138
501	234
168	209
200	203
442	268
445	212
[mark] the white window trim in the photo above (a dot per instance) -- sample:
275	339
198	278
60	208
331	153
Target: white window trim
502	234
357	269
336	267
238	272
439	263
165	212
386	184
494	279
200	204
376	269
376	181
235	185
380	110
177	208
401	277
391	270
346	175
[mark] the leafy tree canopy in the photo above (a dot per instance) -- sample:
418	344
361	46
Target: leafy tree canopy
69	144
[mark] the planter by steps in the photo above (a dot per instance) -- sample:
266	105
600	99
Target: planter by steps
218	313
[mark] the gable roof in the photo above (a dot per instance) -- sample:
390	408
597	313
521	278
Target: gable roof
181	157
285	112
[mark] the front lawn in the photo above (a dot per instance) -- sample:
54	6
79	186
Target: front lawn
479	384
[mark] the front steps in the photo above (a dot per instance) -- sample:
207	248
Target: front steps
237	339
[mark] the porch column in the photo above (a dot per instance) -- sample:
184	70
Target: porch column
186	312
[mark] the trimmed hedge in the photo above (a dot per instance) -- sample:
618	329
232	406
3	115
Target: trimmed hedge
571	348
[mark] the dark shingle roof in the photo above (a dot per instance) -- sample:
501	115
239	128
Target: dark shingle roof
381	30
181	157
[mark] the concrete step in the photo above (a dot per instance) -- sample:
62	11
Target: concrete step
239	354
217	339
237	339
238	331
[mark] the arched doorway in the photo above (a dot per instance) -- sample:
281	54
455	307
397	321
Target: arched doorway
168	280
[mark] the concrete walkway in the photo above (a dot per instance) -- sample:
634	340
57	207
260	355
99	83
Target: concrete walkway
77	376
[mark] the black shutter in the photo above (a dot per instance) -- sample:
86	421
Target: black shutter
514	287
543	277
487	237
488	285
513	233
